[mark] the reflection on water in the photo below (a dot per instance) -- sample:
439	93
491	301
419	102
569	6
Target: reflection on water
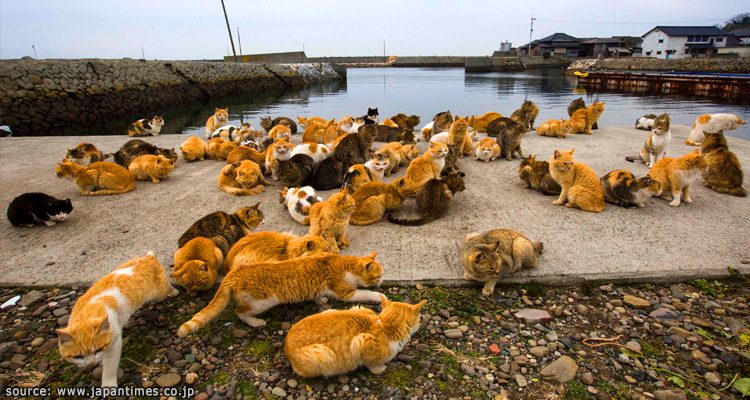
426	91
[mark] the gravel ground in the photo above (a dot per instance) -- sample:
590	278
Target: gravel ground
689	340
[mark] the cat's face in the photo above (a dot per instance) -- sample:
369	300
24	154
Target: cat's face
84	344
530	160
481	262
443	118
380	161
411	151
64	169
250	217
283	151
372	112
221	114
195	276
266	122
562	161
169	153
661	124
486	146
460	124
369	270
313	245
438	149
343	201
58	210
164	165
157	120
74	153
651	186
737	122
598	107
566	125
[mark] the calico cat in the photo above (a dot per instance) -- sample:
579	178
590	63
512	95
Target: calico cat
94	332
509	134
580	186
317	151
576	105
441	123
355	148
242	178
304	122
266	285
375	199
425	167
267	123
407	123
132	149
677	175
371	171
224	229
296	171
487	150
330	219
621	188
583	120
216	121
240	153
197	264
336	342
193	149
145	127
219	149
433	199
712	123
645	122
149	167
528	112
280	147
230	132
555	128
85	154
298	201
99	178
377	165
371	118
265	247
656	143
329	174
535	174
30	209
489	256
724	174
399	155
479	123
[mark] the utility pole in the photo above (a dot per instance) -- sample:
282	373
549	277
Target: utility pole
229	30
383	48
34	48
239	41
142	53
531	29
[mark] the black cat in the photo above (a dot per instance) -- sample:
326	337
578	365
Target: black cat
329	174
30	209
371	118
135	148
296	171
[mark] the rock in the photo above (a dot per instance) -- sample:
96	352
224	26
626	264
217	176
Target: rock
59	312
633	344
494	348
37	342
670	395
191	378
581	309
665	314
561	370
62	321
712	378
468	370
636	302
453	333
521	380
539	351
292	383
239	333
31	298
173	355
683	333
532	315
168	380
278	392
587	378
552	336
201	396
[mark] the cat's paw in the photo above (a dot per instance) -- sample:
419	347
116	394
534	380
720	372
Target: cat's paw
321	300
641	205
378	369
488	291
49	223
558	202
569	205
687	199
674	203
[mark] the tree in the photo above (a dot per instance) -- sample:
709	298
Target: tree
739	21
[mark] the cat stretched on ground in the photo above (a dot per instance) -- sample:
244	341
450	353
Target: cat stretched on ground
135	148
264	247
146	127
31	209
99	178
223	228
622	188
712	123
242	178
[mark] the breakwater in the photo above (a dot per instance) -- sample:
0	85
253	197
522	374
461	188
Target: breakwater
703	64
395	61
54	96
514	63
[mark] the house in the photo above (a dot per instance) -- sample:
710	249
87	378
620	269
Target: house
685	41
743	35
615	46
559	44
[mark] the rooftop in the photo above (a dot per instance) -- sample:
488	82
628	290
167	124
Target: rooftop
689	30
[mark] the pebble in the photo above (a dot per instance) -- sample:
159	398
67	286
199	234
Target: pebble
665	314
670	395
37	342
468	370
191	378
521	380
712	378
561	370
539	351
533	315
587	378
278	392
168	380
453	333
292	383
635	301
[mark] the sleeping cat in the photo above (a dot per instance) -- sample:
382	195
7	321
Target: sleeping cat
656	143
580	186
146	127
433	199
216	121
479	123
509	133
425	167
240	153
149	167
317	151
99	178
583	120
576	105
264	286
677	175
224	229
330	219
267	123
724	174
296	171
137	147
371	118
85	154
487	150
197	264
623	189
242	178
375	199
193	149
336	342
94	332
535	174
489	256
298	201
555	128
30	209
265	247
645	122
399	155
528	112
712	123
219	149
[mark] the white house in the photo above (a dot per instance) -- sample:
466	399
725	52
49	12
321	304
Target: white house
685	41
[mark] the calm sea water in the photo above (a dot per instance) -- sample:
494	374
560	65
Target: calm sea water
427	91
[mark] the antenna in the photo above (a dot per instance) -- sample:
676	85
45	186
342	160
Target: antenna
239	43
229	30
531	29
34	48
142	53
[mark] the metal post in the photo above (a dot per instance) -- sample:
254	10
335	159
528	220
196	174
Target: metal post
142	53
34	48
531	29
229	30
383	48
239	41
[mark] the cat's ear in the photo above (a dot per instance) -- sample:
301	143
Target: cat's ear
372	255
557	154
384	302
63	336
103	327
255	206
572	150
217	109
419	305
369	266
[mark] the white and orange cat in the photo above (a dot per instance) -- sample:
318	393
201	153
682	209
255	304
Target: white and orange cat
487	150
677	176
712	123
94	332
335	342
216	121
317	151
425	167
280	147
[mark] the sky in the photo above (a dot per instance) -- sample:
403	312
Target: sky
190	29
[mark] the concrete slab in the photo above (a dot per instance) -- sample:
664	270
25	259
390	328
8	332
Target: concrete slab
656	243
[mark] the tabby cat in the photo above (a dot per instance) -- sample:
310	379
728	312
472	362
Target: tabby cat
407	123
712	123
441	123
145	127
216	121
555	128
265	247
580	186
30	209
433	199
150	167
621	188
85	154
132	149
298	201
224	229
264	286
336	342
528	112
389	134
94	332
724	174
375	199
509	133
329	174
197	264
677	175
583	120
355	148
535	174
242	178
330	219
479	123
99	178
656	143
576	105
267	123
487	150
399	155
296	171
193	149
489	256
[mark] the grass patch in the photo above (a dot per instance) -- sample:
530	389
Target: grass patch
262	349
618	391
452	366
221	378
575	390
396	377
713	289
652	349
136	350
462	303
246	389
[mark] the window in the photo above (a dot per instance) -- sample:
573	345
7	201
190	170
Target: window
648	53
658	52
661	40
719	39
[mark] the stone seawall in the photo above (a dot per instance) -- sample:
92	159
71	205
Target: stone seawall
513	63
51	96
726	65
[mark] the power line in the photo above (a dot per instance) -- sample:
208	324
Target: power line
629	23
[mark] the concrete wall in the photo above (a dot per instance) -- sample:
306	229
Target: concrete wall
740	51
287	57
43	97
702	64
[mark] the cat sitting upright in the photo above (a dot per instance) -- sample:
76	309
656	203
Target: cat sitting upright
724	174
656	143
30	209
371	118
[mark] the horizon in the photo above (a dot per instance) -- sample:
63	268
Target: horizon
168	30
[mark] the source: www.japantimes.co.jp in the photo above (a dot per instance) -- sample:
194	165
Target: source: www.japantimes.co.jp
182	392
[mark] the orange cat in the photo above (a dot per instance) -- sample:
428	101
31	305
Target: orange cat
425	167
240	153
280	131
219	149
264	247
216	121
279	147
389	123
582	120
318	132
197	264
151	167
459	137
242	178
480	123
375	199
304	122
677	176
329	218
487	150
193	149
399	155
264	286
555	128
99	178
580	185
335	342
94	331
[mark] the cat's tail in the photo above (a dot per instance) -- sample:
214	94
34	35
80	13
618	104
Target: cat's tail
618	202
632	158
313	360
738	191
130	188
538	248
243	192
691	142
424	219
108	155
217	305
